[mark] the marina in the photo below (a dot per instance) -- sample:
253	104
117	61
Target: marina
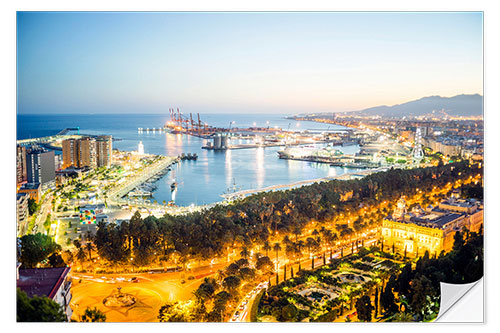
203	180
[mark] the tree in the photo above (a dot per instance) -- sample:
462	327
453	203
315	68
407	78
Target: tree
36	248
264	264
387	300
266	247
364	308
458	241
289	312
206	289
421	288
276	248
38	309
247	273
244	253
93	315
32	206
55	260
89	247
231	282
80	255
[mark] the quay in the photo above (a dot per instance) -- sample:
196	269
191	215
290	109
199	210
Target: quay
347	176
152	170
264	145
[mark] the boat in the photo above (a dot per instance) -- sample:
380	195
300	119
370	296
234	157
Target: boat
139	193
173	186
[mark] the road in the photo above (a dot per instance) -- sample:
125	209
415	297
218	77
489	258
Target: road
45	209
151	291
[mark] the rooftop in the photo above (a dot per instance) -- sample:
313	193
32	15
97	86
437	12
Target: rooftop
30	186
458	203
41	281
432	220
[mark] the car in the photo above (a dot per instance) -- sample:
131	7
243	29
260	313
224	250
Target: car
241	308
237	314
134	279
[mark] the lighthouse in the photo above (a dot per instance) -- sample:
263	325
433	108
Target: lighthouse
140	148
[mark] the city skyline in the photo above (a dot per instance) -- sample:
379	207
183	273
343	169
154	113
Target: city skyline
243	62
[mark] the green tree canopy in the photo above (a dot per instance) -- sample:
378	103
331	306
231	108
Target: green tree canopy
38	309
364	308
93	315
36	248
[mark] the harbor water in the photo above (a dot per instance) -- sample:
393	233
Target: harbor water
214	172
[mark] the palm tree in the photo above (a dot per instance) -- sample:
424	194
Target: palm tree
81	254
276	248
89	246
266	247
311	245
244	253
93	315
297	232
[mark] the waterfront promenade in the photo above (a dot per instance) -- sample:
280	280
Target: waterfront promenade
346	176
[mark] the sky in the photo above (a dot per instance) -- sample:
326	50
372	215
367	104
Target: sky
90	62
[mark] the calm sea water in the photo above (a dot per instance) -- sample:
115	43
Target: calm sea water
214	173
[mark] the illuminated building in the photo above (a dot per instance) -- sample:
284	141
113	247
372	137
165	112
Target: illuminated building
88	153
70	153
22	212
40	166
33	190
104	145
21	172
431	230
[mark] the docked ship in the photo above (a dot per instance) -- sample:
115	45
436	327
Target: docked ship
311	153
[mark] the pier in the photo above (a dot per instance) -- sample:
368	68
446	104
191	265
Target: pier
122	189
264	145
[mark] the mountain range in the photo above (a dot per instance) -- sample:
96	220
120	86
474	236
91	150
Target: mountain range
460	105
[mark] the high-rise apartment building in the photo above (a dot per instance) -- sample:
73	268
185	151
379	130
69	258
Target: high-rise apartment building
104	150
22	213
40	166
21	171
88	153
71	153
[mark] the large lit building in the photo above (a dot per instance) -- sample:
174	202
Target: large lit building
70	153
34	191
40	166
53	283
22	213
88	153
104	145
431	230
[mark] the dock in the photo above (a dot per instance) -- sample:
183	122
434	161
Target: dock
265	145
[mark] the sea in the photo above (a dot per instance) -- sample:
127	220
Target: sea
214	173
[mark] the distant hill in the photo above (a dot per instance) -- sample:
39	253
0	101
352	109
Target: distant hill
460	105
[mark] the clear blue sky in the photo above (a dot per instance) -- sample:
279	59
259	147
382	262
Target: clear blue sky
242	62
